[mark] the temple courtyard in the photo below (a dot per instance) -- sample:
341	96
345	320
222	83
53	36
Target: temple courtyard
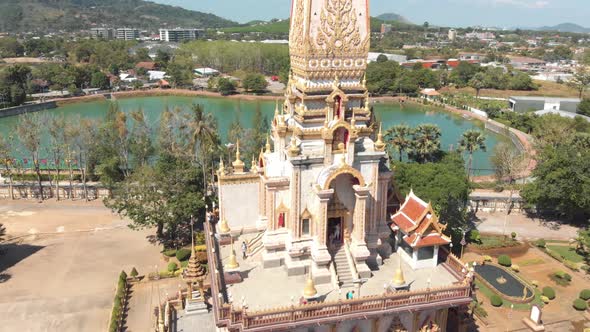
61	271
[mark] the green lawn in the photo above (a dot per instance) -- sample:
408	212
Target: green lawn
567	253
495	241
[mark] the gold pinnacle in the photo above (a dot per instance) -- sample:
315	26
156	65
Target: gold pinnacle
309	290
232	264
379	145
398	278
238	163
221	170
253	166
268	150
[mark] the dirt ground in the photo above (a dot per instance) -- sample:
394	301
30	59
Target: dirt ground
61	275
526	228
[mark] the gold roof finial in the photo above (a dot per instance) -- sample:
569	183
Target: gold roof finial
221	169
293	148
367	107
309	291
232	263
365	80
253	166
194	269
379	145
353	120
238	163
398	278
268	149
223	225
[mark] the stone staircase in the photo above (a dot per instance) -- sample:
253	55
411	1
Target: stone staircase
255	245
195	306
342	268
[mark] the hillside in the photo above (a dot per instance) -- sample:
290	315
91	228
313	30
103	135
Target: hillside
71	15
393	17
566	27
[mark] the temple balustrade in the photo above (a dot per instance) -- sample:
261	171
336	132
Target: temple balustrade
244	319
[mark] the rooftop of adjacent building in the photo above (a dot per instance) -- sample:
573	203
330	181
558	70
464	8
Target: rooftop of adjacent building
546	99
268	288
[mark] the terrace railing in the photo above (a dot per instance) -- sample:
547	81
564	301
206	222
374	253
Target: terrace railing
244	319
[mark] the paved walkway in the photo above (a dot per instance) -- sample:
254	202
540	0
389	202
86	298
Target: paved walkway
145	298
526	228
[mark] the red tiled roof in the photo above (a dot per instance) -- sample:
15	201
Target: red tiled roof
426	241
413	209
149	65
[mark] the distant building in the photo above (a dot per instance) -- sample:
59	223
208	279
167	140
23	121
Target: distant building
391	57
206	72
385	28
147	65
102	33
127	34
465	56
480	35
156	75
452	34
526	104
527	64
178	35
553	76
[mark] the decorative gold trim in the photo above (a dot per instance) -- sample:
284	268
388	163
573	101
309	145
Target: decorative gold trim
345	169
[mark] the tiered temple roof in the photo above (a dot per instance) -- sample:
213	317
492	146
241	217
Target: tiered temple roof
418	222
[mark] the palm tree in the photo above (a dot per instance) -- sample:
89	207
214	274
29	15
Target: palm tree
400	137
478	83
426	142
204	137
2	232
471	141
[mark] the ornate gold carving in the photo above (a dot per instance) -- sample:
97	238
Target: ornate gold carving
297	28
339	33
345	169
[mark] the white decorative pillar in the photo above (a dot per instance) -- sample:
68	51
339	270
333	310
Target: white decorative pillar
360	214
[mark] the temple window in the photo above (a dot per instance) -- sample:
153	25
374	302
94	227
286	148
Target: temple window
340	139
338	107
425	253
305	226
281	221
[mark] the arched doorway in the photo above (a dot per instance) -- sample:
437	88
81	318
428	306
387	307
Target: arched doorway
341	210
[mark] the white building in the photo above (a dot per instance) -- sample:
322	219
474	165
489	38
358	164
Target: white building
178	35
127	34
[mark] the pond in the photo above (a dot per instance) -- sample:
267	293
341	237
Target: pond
503	281
226	110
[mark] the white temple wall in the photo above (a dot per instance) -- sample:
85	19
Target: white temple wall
235	195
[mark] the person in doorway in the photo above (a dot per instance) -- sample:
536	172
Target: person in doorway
244	249
337	232
350	295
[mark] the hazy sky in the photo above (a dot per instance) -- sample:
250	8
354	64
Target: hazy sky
502	13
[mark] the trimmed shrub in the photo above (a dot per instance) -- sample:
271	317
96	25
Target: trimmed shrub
549	292
571	265
513	235
567	277
200	238
496	300
474	236
172	266
201	257
540	243
487	258
580	304
134	273
201	247
585	268
585	294
183	254
535	283
555	255
545	299
515	268
504	260
169	252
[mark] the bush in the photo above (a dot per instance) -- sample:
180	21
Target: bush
549	292
535	283
169	252
580	304
172	266
585	294
555	255
513	235
201	247
571	265
545	299
183	254
515	268
474	236
496	301
567	277
201	257
134	273
487	258
200	239
504	260
585	268
540	243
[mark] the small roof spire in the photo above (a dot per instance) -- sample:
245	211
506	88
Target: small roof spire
238	163
380	145
268	148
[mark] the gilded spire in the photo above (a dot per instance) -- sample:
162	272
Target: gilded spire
232	263
221	169
253	166
309	290
293	148
268	149
353	120
238	163
398	279
380	145
194	269
223	225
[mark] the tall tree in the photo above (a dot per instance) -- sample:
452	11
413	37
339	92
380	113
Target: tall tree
426	143
30	133
580	81
477	83
141	145
204	138
400	137
471	141
7	159
57	140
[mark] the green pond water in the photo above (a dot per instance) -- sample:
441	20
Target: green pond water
225	111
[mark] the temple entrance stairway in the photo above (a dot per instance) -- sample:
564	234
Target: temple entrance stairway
255	245
342	268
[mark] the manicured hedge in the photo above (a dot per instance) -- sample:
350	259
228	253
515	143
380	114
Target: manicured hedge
580	304
169	252
585	294
504	260
496	300
183	254
540	243
172	266
119	303
549	292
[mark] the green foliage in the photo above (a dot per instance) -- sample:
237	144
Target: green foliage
585	294
496	300
201	247
134	273
549	292
561	278
172	266
571	265
13	84
504	260
385	77
444	184
183	254
580	304
513	235
100	80
474	236
540	243
254	83
584	107
10	47
226	87
489	241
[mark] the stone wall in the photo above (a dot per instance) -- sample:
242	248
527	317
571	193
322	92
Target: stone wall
11	111
31	191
